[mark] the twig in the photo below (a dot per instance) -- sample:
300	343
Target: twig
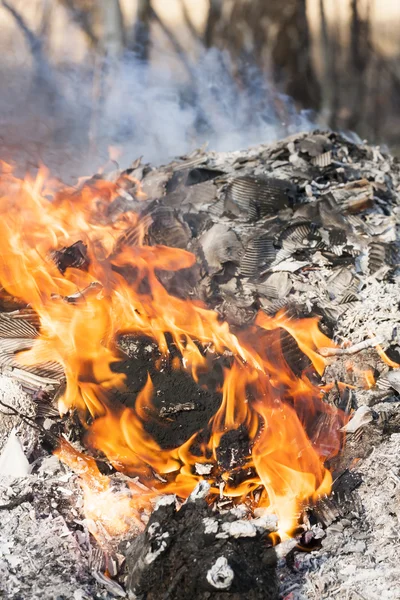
29	421
371	343
214	15
17	502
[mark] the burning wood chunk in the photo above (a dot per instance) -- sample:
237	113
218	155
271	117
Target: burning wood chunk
73	256
195	553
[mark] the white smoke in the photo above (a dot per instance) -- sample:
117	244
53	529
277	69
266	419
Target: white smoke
69	118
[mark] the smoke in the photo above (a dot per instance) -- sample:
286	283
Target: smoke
68	117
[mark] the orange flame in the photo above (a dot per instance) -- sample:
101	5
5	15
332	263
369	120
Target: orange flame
260	392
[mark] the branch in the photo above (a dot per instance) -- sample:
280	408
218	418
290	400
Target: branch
35	43
214	15
82	18
174	42
189	22
44	72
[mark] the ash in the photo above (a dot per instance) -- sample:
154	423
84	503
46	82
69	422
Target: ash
360	556
310	222
44	550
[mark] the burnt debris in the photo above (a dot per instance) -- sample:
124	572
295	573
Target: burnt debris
196	553
306	220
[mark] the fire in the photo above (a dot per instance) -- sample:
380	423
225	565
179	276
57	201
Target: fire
83	311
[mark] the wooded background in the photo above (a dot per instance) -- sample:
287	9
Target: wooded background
339	58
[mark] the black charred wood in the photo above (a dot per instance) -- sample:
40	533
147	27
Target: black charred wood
72	256
186	554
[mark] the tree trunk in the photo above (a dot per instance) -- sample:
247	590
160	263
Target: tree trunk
141	34
213	18
276	35
112	28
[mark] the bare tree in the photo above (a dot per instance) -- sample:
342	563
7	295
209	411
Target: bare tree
82	15
213	19
44	79
112	27
141	33
330	87
276	35
359	59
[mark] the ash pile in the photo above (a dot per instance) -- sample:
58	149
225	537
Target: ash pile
309	223
309	220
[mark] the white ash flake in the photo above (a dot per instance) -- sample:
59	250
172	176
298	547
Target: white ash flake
237	529
362	416
221	575
166	500
12	458
210	525
159	541
203	469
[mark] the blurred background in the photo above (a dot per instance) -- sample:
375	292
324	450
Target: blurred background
160	77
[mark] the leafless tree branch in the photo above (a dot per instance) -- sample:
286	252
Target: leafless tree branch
180	51
44	74
188	21
82	18
34	42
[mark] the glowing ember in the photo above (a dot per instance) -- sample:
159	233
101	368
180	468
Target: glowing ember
120	293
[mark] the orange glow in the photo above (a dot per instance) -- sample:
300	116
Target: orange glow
291	431
385	358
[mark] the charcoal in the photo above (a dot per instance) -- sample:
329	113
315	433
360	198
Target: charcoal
233	449
192	553
72	256
202	174
295	358
337	237
257	197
